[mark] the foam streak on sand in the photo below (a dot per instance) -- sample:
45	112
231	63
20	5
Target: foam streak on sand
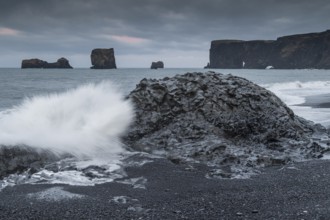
85	122
294	94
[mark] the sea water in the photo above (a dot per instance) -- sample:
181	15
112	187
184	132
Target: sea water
83	112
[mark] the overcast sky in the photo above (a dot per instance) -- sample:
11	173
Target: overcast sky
177	32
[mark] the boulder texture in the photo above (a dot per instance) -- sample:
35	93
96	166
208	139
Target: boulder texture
103	59
157	65
222	120
301	51
61	63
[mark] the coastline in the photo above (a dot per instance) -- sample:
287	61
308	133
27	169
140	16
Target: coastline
180	191
317	101
164	190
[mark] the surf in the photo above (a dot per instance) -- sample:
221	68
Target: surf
294	94
86	122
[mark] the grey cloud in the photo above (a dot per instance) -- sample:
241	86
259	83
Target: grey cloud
69	26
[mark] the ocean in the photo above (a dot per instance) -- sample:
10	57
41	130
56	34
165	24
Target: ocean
83	112
292	86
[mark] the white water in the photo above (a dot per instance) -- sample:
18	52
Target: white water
88	121
85	122
295	93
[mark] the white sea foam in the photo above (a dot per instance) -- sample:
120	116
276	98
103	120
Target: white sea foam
85	122
55	194
295	93
83	173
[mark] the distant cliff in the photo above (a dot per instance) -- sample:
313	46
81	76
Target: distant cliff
61	63
301	51
103	59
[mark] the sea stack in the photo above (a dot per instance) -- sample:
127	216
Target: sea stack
157	65
303	51
61	63
103	59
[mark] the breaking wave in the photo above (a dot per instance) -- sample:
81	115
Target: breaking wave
295	93
85	122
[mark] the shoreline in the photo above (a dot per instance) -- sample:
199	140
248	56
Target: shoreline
317	101
163	190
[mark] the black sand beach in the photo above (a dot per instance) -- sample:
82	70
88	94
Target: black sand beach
317	101
164	190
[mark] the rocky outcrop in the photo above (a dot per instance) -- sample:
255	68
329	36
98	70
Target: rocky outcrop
222	120
288	52
207	66
103	59
33	63
61	63
20	159
157	65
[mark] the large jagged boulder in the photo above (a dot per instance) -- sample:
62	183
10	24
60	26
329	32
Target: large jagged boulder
157	65
220	119
61	63
103	59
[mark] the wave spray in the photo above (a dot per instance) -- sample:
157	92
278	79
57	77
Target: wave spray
85	122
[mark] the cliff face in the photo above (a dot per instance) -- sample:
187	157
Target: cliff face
103	59
61	63
289	52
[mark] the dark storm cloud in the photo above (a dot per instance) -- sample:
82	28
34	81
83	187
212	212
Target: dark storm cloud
150	27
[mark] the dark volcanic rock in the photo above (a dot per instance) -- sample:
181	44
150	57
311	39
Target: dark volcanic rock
220	119
157	65
19	159
33	63
207	66
103	59
288	52
61	63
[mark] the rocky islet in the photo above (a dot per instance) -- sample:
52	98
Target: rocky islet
61	63
157	65
103	58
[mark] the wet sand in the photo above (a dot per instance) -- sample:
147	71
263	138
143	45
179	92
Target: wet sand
317	101
163	190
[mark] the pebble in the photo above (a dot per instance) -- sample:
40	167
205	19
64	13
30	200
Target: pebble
239	213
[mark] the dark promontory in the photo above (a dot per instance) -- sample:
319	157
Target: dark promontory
61	63
220	119
301	51
157	65
103	59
